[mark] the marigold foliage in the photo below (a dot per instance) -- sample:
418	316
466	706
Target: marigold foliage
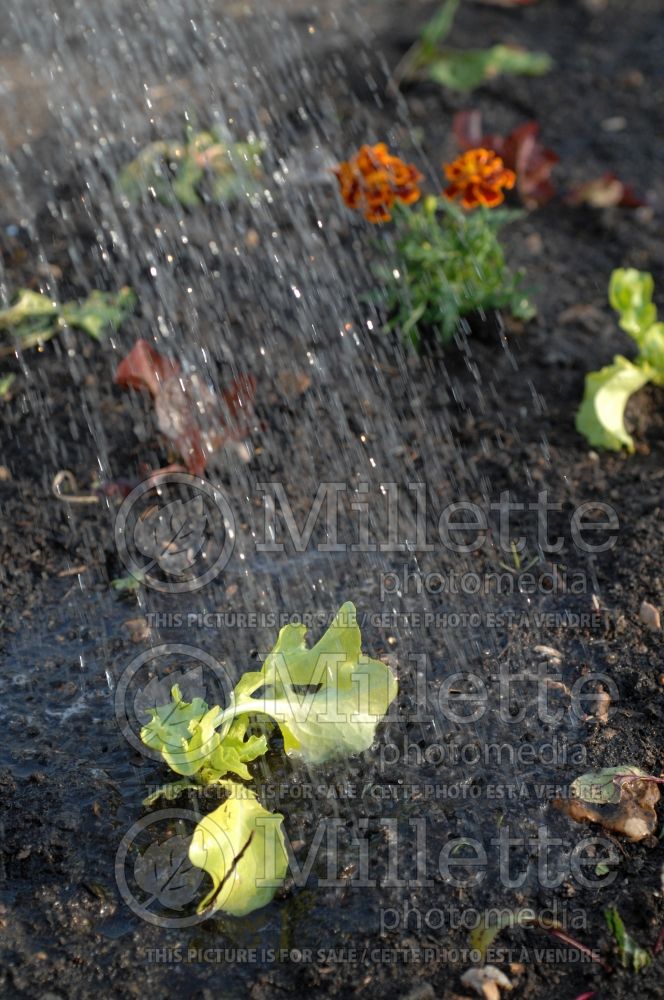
449	264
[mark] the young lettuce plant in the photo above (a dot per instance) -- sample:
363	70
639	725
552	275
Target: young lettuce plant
34	318
449	262
205	166
326	702
601	417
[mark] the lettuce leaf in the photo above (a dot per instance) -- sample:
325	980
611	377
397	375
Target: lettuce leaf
34	318
651	352
328	700
30	307
169	791
601	415
100	311
172	728
232	753
189	170
186	736
241	847
630	294
31	321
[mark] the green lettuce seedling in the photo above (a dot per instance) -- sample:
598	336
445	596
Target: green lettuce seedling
326	701
602	412
205	165
35	318
185	733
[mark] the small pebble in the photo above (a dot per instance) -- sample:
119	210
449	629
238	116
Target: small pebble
549	652
615	124
650	617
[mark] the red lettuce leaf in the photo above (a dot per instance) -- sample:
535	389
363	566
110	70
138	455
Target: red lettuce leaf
145	368
189	414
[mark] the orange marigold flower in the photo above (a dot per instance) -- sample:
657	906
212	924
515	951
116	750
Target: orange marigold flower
478	178
372	180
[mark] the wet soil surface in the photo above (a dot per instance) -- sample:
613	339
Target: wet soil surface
496	413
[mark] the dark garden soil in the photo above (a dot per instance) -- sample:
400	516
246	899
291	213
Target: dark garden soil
495	413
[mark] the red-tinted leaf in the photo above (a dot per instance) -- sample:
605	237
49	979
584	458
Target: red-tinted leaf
239	402
189	446
604	192
532	162
467	128
145	368
630	198
189	414
521	152
240	395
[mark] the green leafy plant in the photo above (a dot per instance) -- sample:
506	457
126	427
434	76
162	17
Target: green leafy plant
129	584
449	264
632	955
464	69
601	417
34	318
326	702
448	261
202	166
